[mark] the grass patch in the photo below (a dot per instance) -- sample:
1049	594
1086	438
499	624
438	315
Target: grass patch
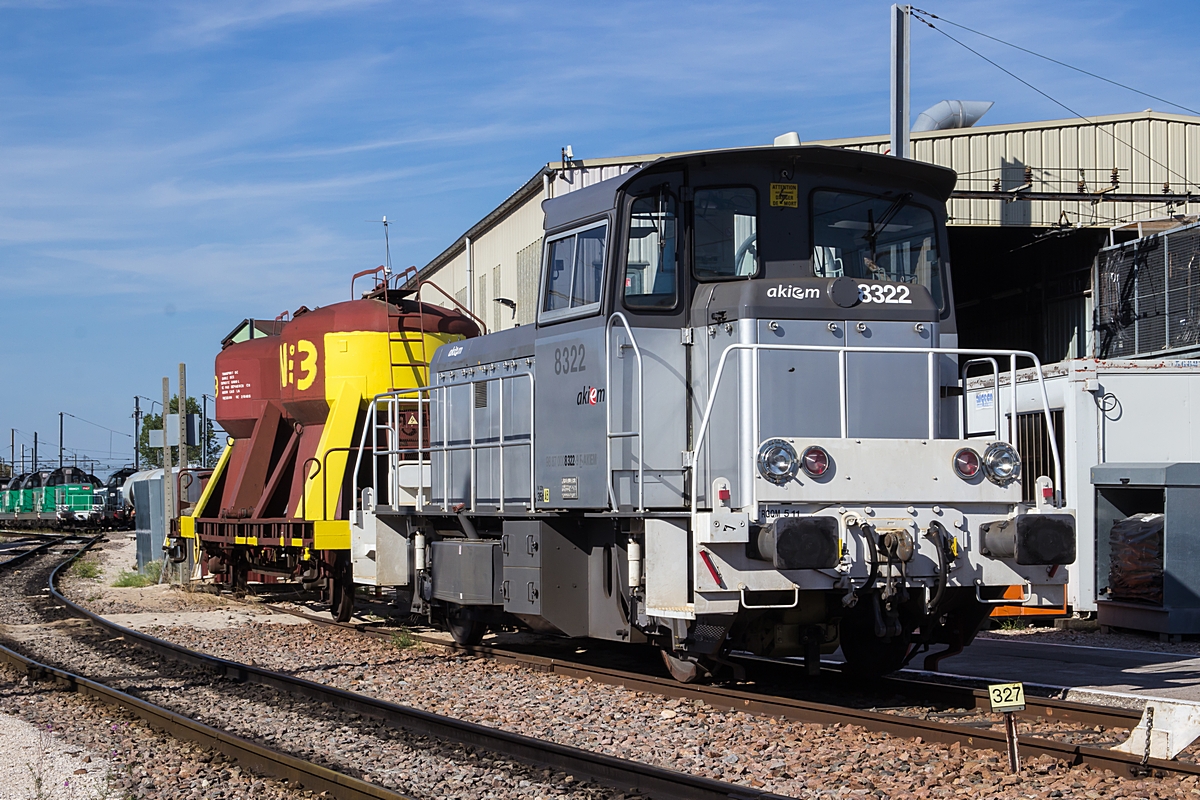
85	568
154	571
403	639
1013	624
137	580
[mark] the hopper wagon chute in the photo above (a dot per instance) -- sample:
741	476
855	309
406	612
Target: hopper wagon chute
293	397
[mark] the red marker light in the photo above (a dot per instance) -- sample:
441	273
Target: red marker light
966	463
1047	492
815	461
724	495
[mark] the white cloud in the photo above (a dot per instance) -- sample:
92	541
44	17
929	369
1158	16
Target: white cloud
207	23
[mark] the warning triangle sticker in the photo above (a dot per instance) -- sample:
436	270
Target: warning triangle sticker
412	419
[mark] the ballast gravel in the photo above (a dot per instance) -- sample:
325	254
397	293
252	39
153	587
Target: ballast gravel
63	746
417	766
792	759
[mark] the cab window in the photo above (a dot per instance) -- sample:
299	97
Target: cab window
574	271
875	238
726	233
651	265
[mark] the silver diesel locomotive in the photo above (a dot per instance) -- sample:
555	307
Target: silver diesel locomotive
737	425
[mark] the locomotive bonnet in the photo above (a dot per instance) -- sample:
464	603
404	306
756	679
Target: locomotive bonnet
736	424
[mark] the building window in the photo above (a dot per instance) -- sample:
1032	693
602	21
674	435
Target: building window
527	282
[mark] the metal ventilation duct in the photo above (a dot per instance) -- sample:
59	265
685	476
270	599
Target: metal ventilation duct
951	114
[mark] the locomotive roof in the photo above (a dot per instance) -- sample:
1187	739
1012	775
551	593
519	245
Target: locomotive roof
599	198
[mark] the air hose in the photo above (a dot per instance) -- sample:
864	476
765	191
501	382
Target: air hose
943	568
873	548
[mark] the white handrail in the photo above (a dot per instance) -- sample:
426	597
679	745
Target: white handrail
757	348
608	431
396	397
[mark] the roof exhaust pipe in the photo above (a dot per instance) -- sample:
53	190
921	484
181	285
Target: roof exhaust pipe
950	114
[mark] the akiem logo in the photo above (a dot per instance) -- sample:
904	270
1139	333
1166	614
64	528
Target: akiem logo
794	292
590	396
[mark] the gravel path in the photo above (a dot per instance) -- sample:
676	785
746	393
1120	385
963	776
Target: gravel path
364	748
35	761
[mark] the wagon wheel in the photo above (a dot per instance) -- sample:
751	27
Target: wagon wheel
341	590
239	577
866	653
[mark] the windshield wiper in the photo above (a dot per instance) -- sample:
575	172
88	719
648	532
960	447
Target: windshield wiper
875	228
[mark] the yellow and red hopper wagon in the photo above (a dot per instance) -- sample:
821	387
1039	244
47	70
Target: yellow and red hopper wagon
293	396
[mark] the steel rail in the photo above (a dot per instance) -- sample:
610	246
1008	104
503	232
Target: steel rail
622	774
732	699
22	557
258	759
32	534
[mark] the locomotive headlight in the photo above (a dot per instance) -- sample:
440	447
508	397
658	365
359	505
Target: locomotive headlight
1001	463
777	461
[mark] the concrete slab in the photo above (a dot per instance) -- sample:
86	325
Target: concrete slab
1081	670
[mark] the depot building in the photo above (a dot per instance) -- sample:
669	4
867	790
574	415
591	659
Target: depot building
1024	270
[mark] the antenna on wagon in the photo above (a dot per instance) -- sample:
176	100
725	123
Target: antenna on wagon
387	250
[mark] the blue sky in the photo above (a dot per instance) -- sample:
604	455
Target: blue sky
169	169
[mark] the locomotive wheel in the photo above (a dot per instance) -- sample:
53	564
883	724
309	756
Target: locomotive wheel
464	628
684	670
867	654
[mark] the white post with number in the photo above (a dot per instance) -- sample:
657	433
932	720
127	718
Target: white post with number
1007	699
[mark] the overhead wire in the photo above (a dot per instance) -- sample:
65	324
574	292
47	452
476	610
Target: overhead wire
1080	70
98	425
920	16
98	456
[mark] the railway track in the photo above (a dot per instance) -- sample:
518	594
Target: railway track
185	692
941	712
22	547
